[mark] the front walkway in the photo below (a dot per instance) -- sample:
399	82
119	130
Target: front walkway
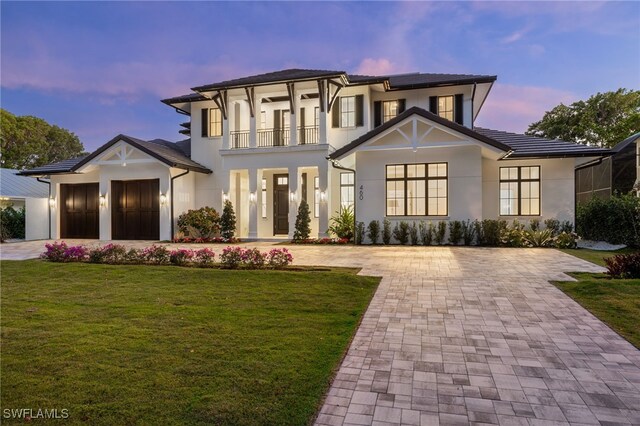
470	335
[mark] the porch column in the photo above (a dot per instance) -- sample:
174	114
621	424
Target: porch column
322	125
323	214
104	215
255	176
253	129
225	133
294	197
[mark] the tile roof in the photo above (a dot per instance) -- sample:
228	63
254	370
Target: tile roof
15	186
270	77
64	166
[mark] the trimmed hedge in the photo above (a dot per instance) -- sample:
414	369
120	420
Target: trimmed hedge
616	220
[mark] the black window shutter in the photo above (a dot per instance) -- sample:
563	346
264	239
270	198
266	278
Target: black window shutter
433	104
458	110
377	113
335	113
302	133
359	110
402	105
205	122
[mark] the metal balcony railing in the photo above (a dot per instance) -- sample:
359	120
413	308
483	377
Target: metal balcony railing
308	135
239	139
273	137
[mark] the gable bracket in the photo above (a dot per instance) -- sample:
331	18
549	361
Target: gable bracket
292	100
221	101
251	98
333	97
321	95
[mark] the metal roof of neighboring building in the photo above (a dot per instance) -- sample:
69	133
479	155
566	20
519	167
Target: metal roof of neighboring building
14	186
622	145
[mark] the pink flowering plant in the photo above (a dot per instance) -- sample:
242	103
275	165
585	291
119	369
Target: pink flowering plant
61	252
181	257
111	253
253	258
204	257
156	255
231	257
279	258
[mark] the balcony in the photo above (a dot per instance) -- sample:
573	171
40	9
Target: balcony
308	135
239	139
266	138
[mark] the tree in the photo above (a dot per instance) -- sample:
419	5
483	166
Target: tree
602	120
28	142
303	222
228	221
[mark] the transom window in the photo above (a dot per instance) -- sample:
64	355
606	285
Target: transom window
215	122
445	107
283	180
520	191
417	189
389	110
348	111
316	196
347	189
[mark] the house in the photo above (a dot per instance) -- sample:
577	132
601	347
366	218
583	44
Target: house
618	173
402	147
21	192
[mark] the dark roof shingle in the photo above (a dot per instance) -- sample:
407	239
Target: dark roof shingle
270	77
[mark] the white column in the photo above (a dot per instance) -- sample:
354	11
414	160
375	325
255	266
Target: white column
254	178
322	124
253	127
225	177
225	133
294	188
293	126
323	214
104	214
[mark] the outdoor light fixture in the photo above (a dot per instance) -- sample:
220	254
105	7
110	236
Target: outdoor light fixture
163	199
52	202
103	200
292	196
252	197
323	196
225	197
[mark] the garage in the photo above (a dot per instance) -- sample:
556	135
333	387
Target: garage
135	213
79	210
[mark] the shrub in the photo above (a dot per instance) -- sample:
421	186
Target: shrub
565	240
134	256
534	224
204	257
203	222
566	227
111	253
468	232
401	232
253	258
553	225
624	265
539	238
440	232
413	234
455	232
12	223
373	231
359	232
279	258
386	232
228	221
477	226
616	220
342	223
61	252
426	232
231	257
491	232
181	257
513	236
157	255
303	222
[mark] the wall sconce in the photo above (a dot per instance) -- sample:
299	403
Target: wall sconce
103	200
124	164
163	200
292	196
52	202
252	197
323	196
225	197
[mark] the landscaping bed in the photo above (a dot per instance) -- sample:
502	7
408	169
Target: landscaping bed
119	344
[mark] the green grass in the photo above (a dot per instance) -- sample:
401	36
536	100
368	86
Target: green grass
169	345
614	301
596	256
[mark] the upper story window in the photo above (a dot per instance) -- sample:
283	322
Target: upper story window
450	107
384	111
211	123
520	191
417	189
263	119
347	111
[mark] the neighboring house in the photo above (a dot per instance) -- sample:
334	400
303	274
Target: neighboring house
22	192
615	174
402	147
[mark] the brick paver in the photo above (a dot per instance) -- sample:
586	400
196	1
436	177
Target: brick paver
470	335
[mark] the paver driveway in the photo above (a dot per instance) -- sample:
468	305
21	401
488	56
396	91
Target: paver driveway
471	335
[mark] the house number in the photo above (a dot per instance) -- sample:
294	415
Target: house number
361	192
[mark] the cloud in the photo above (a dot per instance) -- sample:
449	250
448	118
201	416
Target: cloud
513	108
380	66
515	36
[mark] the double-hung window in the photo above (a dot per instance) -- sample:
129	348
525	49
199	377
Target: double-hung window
348	111
215	122
445	107
347	190
389	110
520	191
417	189
316	196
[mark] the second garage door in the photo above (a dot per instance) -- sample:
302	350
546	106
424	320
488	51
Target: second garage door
135	214
79	210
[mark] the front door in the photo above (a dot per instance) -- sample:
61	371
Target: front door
135	214
280	204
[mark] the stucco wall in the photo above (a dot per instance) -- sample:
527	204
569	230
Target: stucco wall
36	220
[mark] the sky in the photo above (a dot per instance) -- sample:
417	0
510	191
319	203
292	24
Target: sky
101	68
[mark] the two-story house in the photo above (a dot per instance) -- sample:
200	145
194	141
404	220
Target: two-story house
402	147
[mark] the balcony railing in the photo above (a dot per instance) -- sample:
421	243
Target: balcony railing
239	139
308	135
273	137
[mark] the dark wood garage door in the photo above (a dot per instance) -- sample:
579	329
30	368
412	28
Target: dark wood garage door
135	213
79	215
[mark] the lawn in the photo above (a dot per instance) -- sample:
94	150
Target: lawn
169	345
616	302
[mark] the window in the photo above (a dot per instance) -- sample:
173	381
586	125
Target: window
263	119
316	196
389	110
520	191
348	111
286	122
417	189
347	190
316	116
445	107
215	122
263	200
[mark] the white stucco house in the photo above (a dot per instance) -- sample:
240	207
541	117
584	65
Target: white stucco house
402	147
21	192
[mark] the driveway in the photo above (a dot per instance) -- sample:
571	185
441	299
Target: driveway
470	335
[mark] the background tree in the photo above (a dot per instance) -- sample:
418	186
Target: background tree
602	120
28	142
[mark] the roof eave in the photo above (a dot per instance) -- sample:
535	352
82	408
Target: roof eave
215	87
